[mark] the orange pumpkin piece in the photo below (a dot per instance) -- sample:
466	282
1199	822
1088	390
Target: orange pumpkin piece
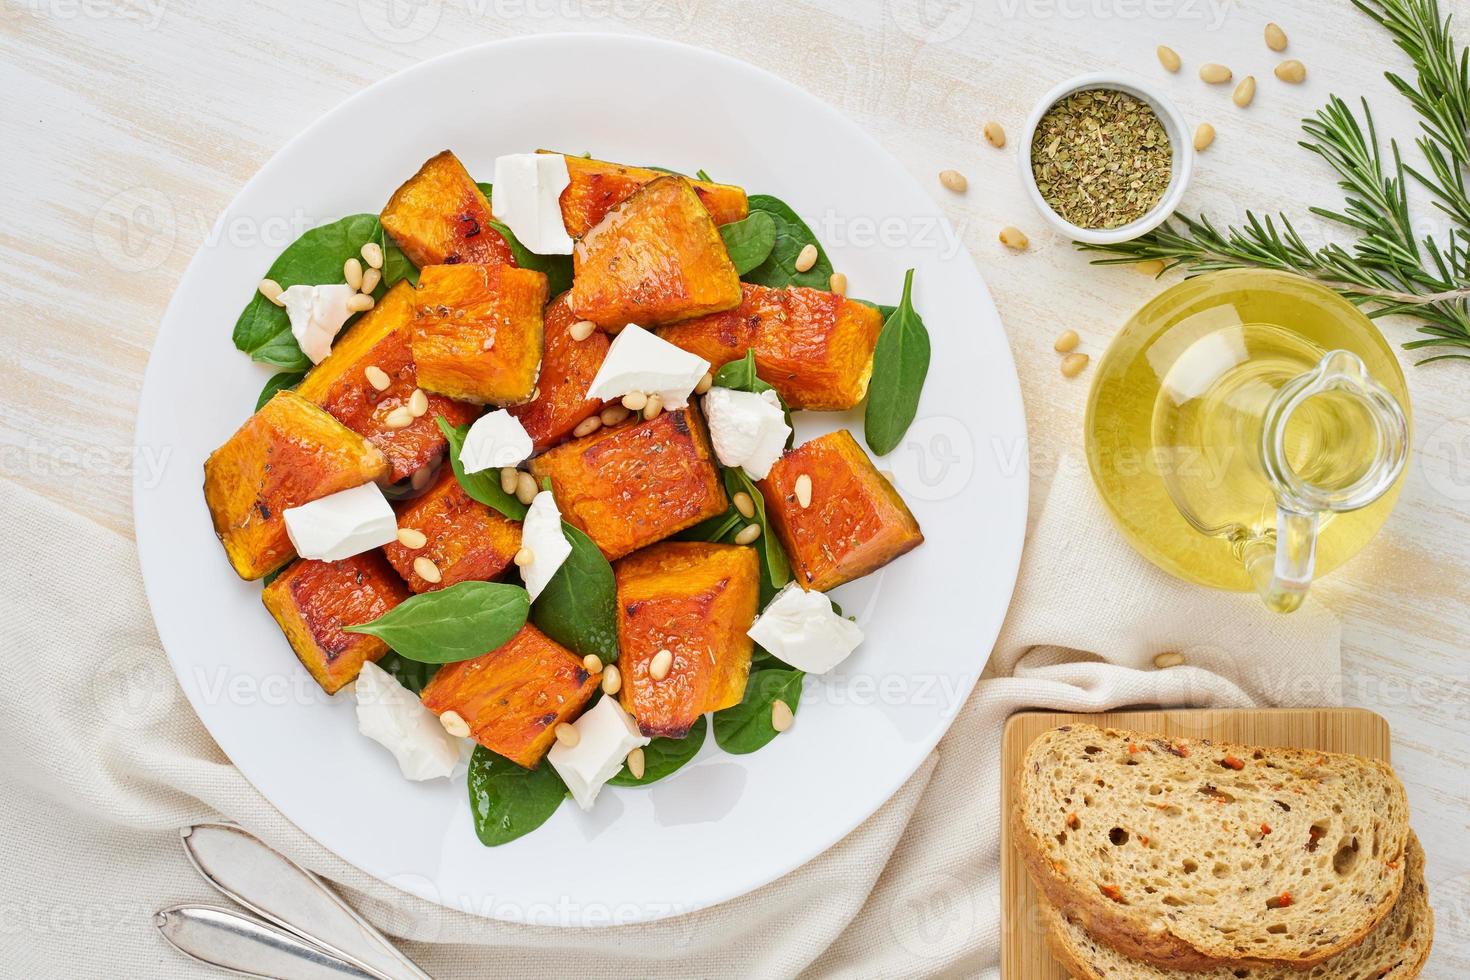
631	485
695	600
567	369
656	258
440	216
814	347
598	186
289	453
467	541
856	522
313	600
514	697
381	339
477	332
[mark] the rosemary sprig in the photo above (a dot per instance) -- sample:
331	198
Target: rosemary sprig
1388	269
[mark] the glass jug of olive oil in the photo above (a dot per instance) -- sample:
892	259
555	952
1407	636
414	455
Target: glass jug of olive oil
1248	429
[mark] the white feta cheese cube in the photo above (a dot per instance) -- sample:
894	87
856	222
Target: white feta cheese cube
495	439
748	430
317	314
526	197
641	361
801	628
392	715
606	736
541	533
342	524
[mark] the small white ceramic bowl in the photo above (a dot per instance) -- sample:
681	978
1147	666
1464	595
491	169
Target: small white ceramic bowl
1180	141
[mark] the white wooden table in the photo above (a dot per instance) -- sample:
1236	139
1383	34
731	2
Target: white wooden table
127	126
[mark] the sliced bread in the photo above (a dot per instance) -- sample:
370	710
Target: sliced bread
1192	855
1396	950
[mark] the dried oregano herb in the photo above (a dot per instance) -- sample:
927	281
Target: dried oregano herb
1101	158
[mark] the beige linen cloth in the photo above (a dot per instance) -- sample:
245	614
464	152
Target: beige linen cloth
102	760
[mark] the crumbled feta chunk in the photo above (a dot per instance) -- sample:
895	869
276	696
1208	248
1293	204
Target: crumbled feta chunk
541	533
641	361
342	524
606	736
802	629
317	314
748	430
392	715
496	439
526	196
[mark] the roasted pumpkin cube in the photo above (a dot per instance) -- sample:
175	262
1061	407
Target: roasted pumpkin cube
567	369
381	339
289	453
313	600
514	697
856	522
440	216
598	186
477	332
814	347
631	485
467	541
656	258
695	600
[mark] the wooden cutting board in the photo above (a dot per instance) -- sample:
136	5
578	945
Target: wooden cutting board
1024	952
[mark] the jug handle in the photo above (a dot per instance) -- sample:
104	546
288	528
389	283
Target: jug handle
1281	565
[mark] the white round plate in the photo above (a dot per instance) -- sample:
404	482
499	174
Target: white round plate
725	824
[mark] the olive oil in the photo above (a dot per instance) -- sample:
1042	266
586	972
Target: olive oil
1178	414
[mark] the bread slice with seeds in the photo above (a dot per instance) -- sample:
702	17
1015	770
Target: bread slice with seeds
1192	855
1396	950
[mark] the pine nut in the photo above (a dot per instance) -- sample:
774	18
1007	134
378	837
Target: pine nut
1152	268
418	403
427	570
953	180
660	665
1292	71
524	557
1164	660
838	283
634	401
372	254
1073	364
654	405
744	505
271	290
360	303
1014	238
567	735
748	534
412	538
1245	91
1067	342
587	426
614	415
803	490
1275	37
612	679
705	384
377	377
1215	74
995	133
525	488
421	477
1168	57
635	763
806	258
370	279
399	418
781	715
454	724
592	663
352	272
582	329
1204	135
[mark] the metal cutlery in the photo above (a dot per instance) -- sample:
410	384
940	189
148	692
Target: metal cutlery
226	939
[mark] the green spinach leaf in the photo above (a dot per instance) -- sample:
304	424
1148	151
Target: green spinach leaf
457	623
792	235
702	175
410	673
749	241
900	364
507	801
746	726
483	486
558	268
775	568
663	756
579	606
286	379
